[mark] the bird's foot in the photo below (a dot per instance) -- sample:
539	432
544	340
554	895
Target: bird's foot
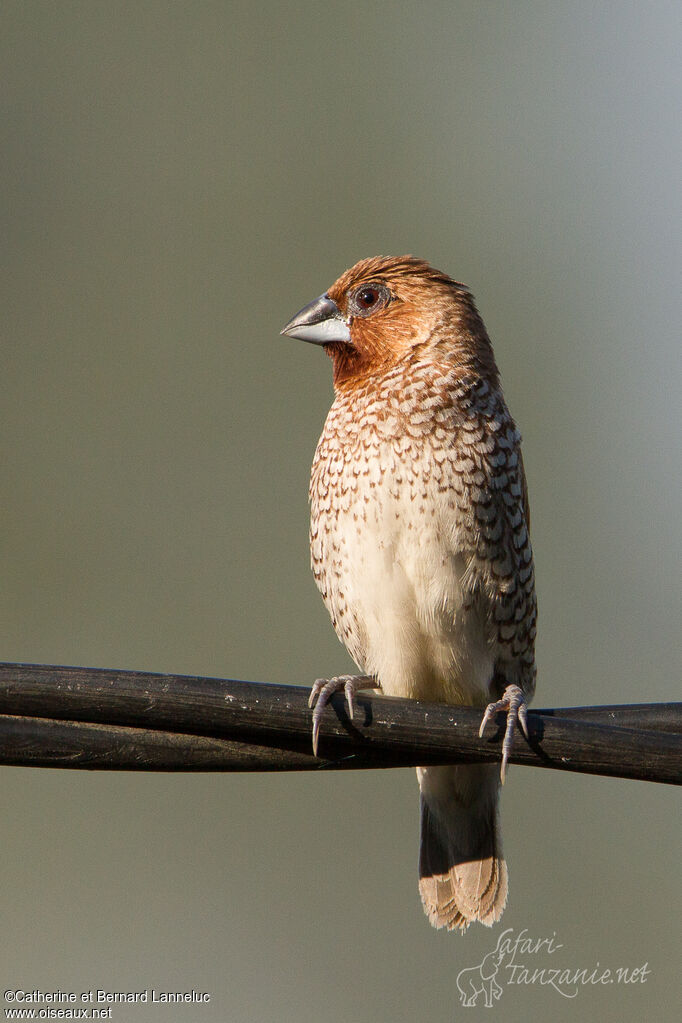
514	703
323	690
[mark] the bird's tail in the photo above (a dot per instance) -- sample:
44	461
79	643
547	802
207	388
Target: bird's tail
462	873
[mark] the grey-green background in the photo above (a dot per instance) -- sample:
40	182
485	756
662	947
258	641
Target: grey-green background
177	180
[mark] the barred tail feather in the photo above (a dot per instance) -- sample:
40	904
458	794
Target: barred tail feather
462	873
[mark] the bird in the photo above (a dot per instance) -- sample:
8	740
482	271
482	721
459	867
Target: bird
420	545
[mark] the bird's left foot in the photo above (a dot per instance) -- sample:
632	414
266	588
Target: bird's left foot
323	690
514	703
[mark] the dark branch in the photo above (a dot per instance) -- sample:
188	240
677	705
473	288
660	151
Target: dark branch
126	720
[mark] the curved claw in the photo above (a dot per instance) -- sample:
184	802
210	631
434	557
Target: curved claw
322	691
315	691
514	703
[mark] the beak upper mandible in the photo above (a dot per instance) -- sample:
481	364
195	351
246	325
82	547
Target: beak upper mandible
320	322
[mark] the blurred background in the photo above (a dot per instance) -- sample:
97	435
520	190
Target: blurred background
177	180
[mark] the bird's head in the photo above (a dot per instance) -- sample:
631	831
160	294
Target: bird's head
392	309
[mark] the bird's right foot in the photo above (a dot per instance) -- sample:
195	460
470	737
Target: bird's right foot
323	690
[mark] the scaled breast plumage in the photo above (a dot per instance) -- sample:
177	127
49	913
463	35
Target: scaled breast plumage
424	457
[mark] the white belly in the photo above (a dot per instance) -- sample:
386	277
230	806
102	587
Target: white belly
394	588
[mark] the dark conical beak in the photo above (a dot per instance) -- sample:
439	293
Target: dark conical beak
321	322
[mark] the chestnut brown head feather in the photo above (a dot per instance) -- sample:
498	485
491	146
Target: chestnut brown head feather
399	308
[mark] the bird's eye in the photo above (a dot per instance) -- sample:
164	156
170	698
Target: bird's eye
368	298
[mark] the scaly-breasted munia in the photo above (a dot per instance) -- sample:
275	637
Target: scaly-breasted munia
419	542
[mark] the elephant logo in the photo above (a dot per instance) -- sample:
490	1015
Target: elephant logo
480	980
